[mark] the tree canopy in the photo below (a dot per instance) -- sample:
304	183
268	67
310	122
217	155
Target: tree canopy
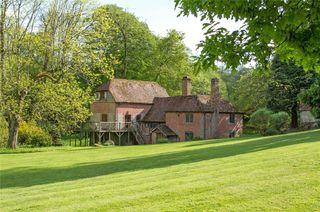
285	83
41	53
289	28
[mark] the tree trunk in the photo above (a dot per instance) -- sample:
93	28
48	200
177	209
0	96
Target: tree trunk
13	132
294	117
4	5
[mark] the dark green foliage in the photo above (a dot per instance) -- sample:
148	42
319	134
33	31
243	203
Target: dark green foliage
280	121
261	120
285	83
30	134
289	28
311	97
269	123
271	131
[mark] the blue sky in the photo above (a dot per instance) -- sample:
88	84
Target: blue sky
161	16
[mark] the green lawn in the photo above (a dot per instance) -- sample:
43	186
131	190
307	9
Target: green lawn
279	173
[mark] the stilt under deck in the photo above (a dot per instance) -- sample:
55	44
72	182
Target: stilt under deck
102	132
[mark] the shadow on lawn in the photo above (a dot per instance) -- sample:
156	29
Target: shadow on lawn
29	177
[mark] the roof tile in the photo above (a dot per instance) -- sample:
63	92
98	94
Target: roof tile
133	91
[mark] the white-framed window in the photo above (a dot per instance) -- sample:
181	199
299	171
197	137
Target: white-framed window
189	117
97	95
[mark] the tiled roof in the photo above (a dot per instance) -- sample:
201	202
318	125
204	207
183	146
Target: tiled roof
133	91
192	103
165	130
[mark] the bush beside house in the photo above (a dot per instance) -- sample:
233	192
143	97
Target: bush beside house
268	123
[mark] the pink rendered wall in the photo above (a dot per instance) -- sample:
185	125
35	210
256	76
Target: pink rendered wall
132	109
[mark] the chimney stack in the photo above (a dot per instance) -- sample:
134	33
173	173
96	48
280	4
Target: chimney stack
186	86
215	88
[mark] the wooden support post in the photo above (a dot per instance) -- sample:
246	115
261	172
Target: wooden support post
128	138
93	137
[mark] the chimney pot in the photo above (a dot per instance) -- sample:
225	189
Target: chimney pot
186	86
215	88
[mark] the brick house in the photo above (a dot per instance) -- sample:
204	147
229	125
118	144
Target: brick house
144	109
193	116
120	102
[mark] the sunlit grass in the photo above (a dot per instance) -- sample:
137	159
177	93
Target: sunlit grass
250	174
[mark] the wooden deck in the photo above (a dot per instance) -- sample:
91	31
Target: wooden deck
103	131
109	126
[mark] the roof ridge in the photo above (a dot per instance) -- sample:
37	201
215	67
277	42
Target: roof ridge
148	81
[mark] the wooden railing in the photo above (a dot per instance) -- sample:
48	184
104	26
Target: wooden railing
109	126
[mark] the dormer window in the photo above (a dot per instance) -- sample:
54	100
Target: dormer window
107	96
97	95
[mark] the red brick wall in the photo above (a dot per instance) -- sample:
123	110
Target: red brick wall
225	127
176	121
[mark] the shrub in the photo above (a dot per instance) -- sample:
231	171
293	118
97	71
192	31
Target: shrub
3	131
31	134
261	120
280	121
271	131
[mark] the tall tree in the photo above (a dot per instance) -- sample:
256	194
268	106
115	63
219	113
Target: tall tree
171	62
139	53
286	82
311	97
124	37
289	28
42	48
250	92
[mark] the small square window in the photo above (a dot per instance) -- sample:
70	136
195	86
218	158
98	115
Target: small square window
104	117
189	117
188	136
232	118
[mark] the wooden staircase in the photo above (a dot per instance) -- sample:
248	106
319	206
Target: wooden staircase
137	132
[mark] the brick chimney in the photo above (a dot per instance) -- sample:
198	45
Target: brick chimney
186	86
215	87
